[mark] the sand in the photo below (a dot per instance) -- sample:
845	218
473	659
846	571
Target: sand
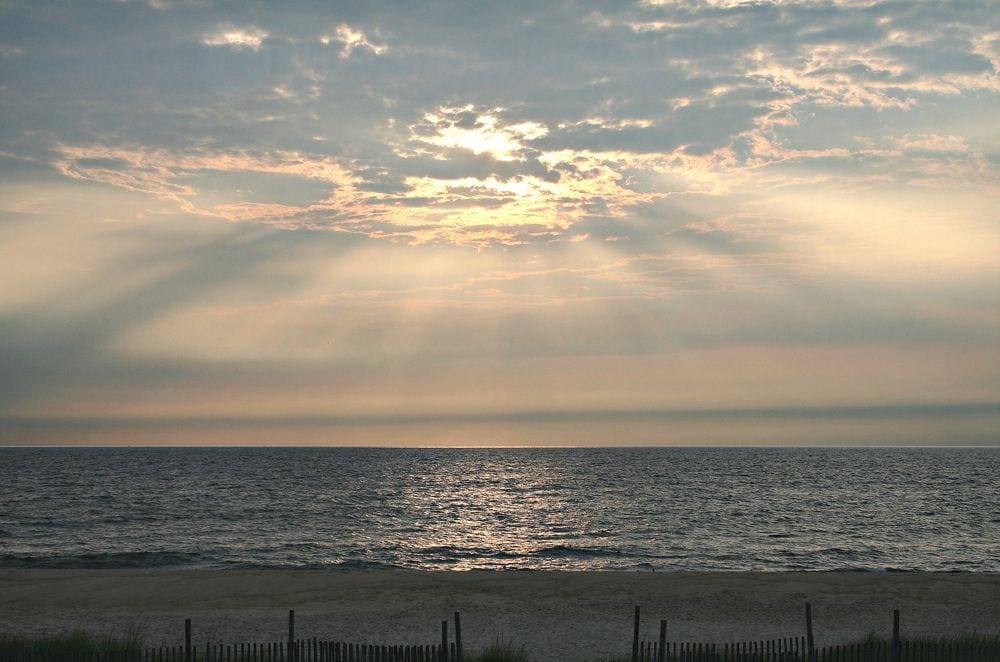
558	615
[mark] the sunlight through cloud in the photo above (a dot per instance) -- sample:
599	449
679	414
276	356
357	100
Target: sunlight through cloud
480	132
651	201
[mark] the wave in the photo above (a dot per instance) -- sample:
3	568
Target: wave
452	552
349	564
558	551
104	560
179	560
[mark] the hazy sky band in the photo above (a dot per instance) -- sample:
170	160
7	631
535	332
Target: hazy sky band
374	214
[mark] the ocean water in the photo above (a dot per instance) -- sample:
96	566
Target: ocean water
609	509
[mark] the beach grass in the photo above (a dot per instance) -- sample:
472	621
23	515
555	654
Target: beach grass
499	652
74	644
968	640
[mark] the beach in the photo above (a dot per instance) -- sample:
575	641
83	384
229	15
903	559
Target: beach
556	615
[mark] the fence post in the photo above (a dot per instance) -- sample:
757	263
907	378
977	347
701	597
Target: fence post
187	640
635	636
444	641
810	643
661	654
895	635
291	635
458	638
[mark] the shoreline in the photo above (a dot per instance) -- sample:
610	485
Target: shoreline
556	614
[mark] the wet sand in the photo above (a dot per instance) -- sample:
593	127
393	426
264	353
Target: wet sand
557	615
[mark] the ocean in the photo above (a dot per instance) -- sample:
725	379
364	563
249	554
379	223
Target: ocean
632	509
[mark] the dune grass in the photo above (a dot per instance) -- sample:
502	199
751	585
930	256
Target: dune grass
498	652
962	640
73	644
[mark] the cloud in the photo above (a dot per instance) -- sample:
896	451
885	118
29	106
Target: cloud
466	186
182	178
8	51
934	143
351	39
480	132
731	4
556	190
849	54
245	38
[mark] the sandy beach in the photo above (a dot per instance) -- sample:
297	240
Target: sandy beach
560	615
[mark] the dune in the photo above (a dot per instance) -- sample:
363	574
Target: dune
556	615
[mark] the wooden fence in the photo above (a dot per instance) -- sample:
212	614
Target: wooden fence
778	650
303	650
291	650
775	651
295	649
803	649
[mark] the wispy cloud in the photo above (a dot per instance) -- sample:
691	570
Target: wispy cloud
8	51
239	38
934	143
351	39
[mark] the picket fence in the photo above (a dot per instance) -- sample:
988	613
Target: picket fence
294	649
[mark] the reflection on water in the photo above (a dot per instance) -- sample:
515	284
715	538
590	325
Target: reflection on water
633	509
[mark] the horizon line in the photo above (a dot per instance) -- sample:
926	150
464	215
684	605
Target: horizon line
917	409
714	446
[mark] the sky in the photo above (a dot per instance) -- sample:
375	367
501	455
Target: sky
499	223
